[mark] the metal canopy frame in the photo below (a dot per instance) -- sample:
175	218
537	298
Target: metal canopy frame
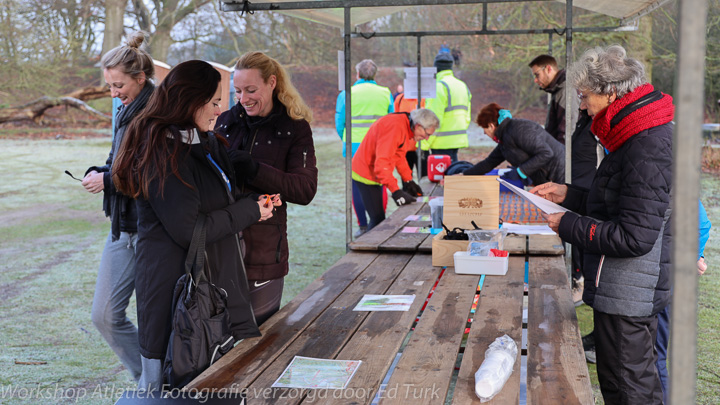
687	148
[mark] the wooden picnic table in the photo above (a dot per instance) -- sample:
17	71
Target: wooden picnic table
429	354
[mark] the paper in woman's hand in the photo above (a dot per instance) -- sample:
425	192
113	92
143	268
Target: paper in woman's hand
542	204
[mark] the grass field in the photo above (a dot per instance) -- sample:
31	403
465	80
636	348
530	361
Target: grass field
51	237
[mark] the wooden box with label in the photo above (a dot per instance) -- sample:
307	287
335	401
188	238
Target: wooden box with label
466	199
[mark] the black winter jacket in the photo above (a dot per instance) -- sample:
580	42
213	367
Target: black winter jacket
555	120
622	224
525	144
584	152
165	229
285	152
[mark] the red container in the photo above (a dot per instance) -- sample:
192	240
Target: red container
437	164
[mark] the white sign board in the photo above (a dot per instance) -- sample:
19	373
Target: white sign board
341	70
427	82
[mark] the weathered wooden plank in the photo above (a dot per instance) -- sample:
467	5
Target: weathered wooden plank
329	333
515	244
423	373
378	339
250	357
556	368
372	239
545	245
499	312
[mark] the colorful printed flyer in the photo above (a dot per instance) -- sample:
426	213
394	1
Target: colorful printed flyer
426	198
385	303
417	218
308	372
415	229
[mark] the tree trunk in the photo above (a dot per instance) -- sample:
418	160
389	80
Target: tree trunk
114	14
160	45
35	110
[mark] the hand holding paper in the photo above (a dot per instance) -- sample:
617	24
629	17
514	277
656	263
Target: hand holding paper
551	191
543	204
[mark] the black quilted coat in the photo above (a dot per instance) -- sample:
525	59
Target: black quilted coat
623	221
525	144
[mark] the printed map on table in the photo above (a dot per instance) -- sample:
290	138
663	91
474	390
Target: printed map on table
308	372
417	218
415	229
385	303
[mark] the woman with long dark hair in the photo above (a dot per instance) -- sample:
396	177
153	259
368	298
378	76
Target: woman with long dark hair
176	169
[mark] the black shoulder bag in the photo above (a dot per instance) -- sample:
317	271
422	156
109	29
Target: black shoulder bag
200	323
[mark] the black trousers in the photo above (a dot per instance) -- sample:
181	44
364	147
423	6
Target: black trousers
626	358
372	197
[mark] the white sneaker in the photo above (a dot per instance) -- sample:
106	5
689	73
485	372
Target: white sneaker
361	230
577	291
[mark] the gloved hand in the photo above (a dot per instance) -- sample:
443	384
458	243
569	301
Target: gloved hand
412	188
513	175
244	164
401	198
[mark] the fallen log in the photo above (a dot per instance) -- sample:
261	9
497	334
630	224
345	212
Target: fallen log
35	110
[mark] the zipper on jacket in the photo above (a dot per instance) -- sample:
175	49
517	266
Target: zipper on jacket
279	246
597	278
252	144
305	157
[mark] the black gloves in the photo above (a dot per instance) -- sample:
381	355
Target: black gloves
513	175
412	188
244	164
401	198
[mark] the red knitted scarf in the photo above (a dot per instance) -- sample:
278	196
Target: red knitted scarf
646	116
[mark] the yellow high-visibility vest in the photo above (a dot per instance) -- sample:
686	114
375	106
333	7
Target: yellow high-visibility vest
369	103
452	105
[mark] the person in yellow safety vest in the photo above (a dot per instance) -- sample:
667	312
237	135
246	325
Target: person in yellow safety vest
452	105
370	101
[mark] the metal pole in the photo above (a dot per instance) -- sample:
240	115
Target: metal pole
348	133
687	141
569	125
419	103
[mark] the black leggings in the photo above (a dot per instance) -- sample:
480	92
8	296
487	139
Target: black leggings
265	296
372	197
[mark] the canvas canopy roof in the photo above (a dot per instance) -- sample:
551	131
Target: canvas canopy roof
330	12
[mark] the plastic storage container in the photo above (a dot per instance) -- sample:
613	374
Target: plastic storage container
492	266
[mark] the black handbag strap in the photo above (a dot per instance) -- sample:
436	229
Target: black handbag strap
195	259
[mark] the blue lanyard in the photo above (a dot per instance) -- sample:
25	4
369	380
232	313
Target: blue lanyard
222	173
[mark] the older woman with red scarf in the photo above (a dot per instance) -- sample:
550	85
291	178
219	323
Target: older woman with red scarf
622	221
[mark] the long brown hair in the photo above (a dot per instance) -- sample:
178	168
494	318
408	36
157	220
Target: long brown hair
149	147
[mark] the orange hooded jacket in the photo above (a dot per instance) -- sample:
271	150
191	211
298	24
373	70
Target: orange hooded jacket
403	104
383	150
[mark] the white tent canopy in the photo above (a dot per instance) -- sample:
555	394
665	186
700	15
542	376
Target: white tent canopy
330	12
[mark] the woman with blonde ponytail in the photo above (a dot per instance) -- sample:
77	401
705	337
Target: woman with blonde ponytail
127	70
272	150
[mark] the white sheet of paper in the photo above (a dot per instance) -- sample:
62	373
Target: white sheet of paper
528	229
371	302
543	205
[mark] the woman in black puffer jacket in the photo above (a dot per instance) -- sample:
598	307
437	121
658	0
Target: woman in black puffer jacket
622	222
535	155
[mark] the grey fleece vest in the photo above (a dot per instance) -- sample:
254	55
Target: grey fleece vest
626	286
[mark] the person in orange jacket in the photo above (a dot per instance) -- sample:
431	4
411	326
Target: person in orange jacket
403	104
382	151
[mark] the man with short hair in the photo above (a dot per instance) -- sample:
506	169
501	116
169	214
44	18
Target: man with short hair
550	79
370	102
452	106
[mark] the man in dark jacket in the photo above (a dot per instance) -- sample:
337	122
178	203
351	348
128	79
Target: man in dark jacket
550	79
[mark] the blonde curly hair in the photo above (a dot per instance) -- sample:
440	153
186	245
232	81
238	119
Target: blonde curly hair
284	89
